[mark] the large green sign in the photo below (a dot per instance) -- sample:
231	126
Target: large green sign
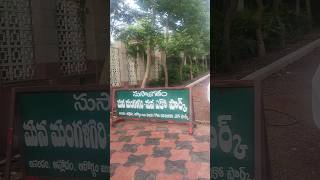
65	133
162	104
233	133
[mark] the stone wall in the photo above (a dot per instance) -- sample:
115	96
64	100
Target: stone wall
126	71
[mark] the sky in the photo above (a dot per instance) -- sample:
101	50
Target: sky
133	5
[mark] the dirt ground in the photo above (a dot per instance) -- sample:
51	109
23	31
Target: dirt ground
294	140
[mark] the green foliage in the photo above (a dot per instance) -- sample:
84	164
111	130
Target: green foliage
243	44
139	36
243	40
272	31
188	28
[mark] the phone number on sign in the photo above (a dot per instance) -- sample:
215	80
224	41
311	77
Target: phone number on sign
230	173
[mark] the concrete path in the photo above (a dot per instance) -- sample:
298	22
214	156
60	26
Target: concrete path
294	140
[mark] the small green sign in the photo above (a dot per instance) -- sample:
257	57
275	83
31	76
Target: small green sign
233	133
161	104
65	133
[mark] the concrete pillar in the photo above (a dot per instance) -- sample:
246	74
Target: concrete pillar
97	41
123	63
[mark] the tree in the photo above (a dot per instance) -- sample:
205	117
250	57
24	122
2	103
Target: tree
230	7
309	13
260	43
147	35
189	15
175	29
276	6
297	8
240	5
120	15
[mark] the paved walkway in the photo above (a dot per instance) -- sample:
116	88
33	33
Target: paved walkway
146	150
294	140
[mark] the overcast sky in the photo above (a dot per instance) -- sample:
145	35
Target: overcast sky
132	4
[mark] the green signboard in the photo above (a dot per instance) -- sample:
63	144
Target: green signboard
161	104
233	131
65	132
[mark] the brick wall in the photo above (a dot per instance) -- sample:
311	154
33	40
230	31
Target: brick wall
200	101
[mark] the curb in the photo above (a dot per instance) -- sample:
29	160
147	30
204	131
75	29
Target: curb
283	62
198	80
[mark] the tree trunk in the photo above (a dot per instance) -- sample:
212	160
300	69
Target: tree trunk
259	35
181	67
136	66
190	68
230	6
206	62
309	13
297	8
240	6
165	69
147	72
276	4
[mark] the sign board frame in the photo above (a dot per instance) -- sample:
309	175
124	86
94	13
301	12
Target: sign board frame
15	118
191	113
259	131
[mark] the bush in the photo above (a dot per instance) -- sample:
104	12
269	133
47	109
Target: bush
243	31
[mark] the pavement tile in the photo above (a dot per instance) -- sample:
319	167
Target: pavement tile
157	134
175	166
113	167
192	169
155	164
175	130
138	140
114	137
155	151
145	175
198	170
184	145
200	147
124	173
167	143
130	148
124	138
202	138
161	152
117	146
147	150
204	171
119	157
139	127
200	157
136	160
182	154
132	132
172	136
128	125
121	132
145	133
163	129
185	137
174	176
152	141
150	127
112	151
119	125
